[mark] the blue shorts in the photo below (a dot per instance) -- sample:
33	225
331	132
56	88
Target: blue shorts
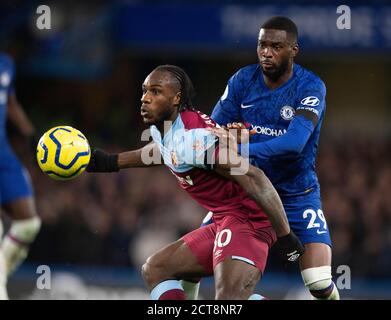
15	181
306	218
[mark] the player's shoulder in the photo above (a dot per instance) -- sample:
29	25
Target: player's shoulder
247	72
309	79
249	69
194	119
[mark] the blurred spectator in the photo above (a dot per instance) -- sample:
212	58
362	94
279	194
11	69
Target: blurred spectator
356	180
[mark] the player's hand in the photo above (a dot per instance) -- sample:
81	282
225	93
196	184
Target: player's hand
102	161
290	248
226	138
241	131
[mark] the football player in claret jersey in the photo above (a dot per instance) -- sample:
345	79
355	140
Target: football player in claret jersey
284	104
235	247
16	195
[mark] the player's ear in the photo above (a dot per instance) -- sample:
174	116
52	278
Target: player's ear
177	98
295	49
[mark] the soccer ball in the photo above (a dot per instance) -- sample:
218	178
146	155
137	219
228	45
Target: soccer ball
63	153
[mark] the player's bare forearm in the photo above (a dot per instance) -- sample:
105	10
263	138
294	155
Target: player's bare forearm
251	179
146	156
18	117
259	187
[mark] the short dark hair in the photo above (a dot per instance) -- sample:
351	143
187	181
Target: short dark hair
282	23
186	86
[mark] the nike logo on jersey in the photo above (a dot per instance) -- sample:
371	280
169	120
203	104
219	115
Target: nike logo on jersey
246	106
320	232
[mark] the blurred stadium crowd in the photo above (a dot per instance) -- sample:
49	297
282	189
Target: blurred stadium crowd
355	178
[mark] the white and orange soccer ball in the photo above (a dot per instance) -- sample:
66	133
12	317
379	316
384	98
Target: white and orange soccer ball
63	153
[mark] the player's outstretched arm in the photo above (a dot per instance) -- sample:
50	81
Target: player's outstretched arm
147	156
290	143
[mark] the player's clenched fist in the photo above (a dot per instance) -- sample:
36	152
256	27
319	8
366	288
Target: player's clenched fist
240	131
226	138
290	248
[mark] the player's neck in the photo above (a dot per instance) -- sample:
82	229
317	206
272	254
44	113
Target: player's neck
275	83
167	123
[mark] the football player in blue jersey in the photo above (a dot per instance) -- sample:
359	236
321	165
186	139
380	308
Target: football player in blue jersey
16	194
283	105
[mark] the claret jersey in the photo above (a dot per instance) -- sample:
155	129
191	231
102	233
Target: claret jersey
185	148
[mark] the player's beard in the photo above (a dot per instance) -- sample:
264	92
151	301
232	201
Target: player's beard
159	120
275	74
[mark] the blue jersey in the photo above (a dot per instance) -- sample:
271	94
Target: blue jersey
7	73
14	179
286	141
270	113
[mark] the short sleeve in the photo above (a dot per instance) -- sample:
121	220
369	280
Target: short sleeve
312	97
